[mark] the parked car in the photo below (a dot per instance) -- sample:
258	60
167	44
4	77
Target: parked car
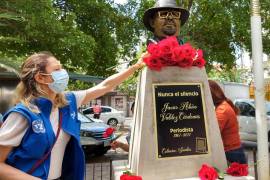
108	114
91	133
247	120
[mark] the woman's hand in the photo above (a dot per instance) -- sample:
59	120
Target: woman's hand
139	64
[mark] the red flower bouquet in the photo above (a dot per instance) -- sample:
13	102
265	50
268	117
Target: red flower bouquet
237	169
130	177
127	175
168	52
208	173
108	132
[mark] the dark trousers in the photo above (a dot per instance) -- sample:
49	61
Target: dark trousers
236	155
96	116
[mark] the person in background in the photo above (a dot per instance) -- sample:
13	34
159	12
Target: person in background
125	146
226	114
97	111
118	144
40	136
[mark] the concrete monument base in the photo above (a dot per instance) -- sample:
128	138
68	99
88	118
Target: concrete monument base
159	148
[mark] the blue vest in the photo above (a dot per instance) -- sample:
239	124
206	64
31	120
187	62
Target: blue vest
39	138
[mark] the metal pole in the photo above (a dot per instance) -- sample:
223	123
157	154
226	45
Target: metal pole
262	139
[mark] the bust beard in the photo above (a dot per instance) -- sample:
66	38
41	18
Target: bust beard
169	31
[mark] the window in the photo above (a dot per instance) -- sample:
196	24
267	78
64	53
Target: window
267	108
88	111
83	118
245	109
104	109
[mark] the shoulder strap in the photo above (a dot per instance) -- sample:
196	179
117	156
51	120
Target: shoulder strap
40	161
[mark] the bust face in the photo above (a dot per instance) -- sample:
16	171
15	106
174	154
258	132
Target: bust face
166	23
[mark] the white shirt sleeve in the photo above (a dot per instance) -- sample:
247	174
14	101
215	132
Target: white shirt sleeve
79	95
13	130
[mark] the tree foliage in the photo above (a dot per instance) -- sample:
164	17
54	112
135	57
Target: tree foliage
91	36
222	29
230	75
87	36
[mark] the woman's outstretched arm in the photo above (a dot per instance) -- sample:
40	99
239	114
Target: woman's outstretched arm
111	82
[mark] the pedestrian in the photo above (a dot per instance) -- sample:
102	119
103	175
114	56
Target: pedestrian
97	111
124	146
226	114
40	136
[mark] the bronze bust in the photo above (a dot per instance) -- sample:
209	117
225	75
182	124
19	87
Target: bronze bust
165	19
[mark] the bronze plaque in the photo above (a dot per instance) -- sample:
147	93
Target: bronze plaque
180	120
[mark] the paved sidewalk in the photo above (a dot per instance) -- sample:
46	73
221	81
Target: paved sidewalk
98	171
99	168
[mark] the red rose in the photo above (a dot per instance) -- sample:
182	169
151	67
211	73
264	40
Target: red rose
153	49
153	63
130	177
165	51
166	47
167	60
199	63
200	54
171	41
178	54
108	132
168	52
208	173
236	169
187	62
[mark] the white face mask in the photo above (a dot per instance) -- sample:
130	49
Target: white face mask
60	80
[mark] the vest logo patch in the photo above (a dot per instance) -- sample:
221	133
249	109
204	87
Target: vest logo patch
73	115
38	126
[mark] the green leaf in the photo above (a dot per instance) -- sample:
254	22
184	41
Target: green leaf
127	172
220	173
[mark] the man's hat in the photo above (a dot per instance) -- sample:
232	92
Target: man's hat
164	5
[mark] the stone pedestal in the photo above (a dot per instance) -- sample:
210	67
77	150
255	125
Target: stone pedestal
144	159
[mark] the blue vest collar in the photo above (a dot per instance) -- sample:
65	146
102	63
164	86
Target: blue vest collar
44	104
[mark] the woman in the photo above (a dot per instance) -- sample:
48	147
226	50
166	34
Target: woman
226	114
39	138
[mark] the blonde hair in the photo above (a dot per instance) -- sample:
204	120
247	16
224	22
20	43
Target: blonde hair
28	89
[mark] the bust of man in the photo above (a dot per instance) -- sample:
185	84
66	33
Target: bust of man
165	19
